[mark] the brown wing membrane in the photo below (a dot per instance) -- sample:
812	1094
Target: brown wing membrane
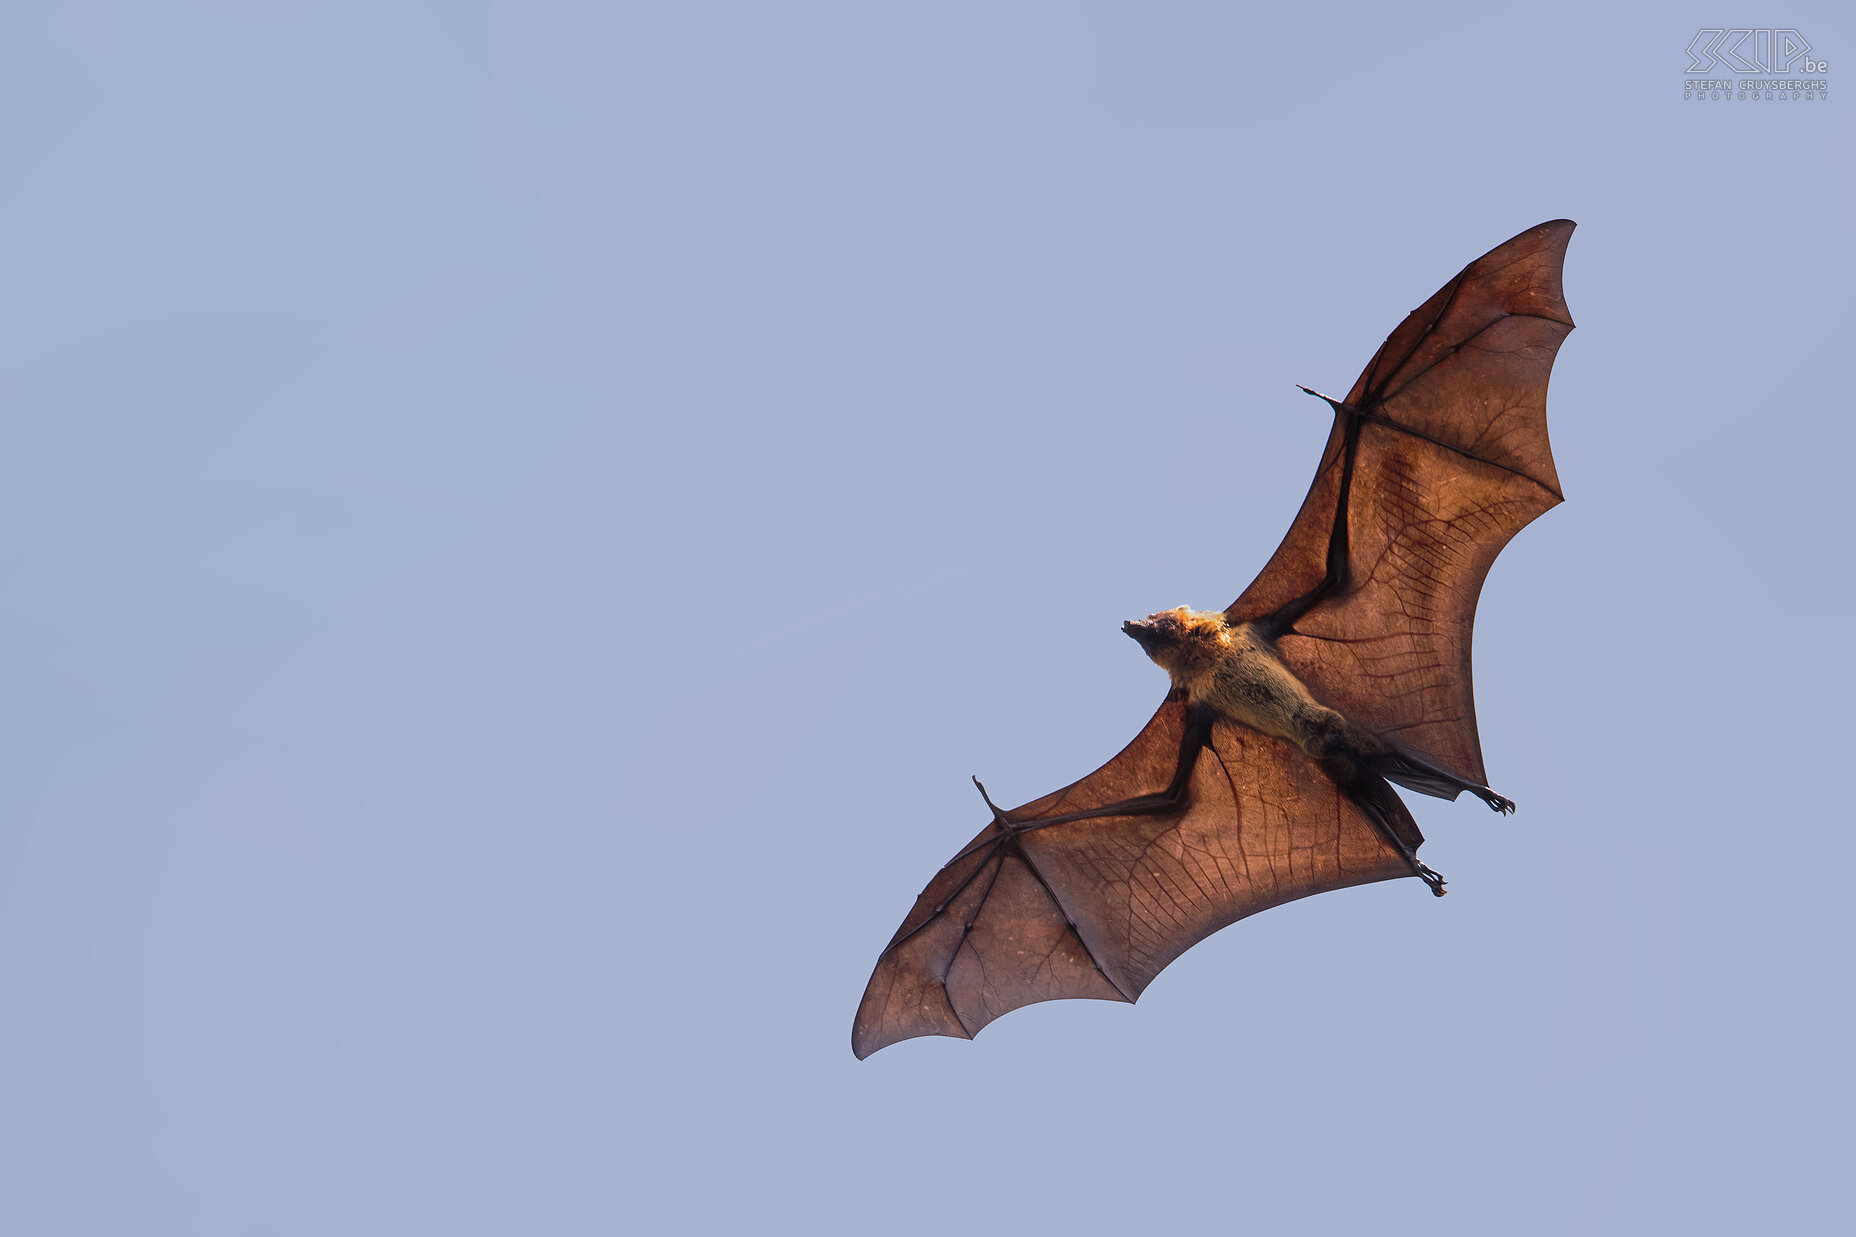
1098	907
1449	461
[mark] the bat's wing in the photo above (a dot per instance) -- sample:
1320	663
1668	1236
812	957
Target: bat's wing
1097	907
1446	461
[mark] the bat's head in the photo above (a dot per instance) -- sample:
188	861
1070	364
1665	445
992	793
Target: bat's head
1184	643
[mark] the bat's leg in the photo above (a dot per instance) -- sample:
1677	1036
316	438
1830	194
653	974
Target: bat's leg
1425	778
1423	871
1383	806
1418	868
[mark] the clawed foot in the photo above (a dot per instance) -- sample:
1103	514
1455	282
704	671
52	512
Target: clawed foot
1497	803
1431	877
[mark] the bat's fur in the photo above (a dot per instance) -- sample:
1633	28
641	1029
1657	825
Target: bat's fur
1235	671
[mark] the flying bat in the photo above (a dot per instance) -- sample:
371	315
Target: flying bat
1266	775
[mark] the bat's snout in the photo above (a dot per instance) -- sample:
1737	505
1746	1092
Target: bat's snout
1142	630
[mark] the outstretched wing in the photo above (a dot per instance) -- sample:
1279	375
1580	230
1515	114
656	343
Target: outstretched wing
1442	458
1098	907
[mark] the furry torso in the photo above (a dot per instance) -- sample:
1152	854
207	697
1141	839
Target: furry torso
1248	683
1235	671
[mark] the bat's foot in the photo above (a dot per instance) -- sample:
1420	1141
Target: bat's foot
1431	877
1497	803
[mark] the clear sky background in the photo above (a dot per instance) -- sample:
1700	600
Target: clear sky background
517	523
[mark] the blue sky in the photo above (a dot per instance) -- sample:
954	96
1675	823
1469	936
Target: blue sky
518	523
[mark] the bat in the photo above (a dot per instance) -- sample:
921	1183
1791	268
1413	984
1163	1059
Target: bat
1267	773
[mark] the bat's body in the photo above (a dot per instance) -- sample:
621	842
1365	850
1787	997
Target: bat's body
1344	667
1233	671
